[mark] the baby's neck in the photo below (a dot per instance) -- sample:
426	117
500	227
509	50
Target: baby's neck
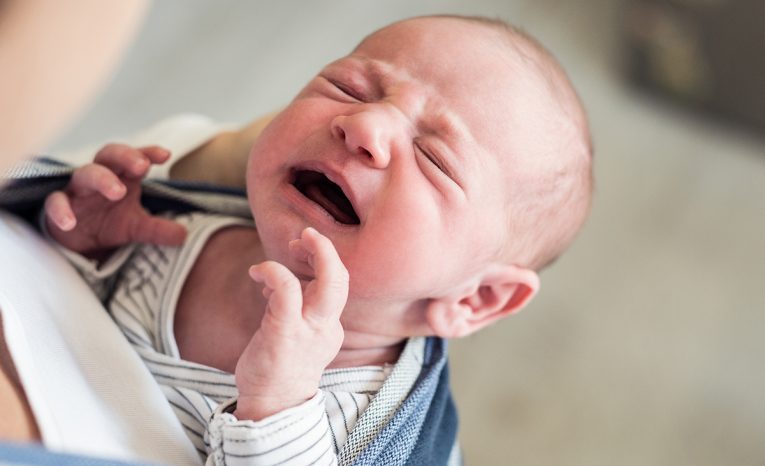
372	351
240	303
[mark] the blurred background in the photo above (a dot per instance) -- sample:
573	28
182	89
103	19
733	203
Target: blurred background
645	346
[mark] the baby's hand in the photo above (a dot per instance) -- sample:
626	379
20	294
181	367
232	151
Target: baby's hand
300	333
100	208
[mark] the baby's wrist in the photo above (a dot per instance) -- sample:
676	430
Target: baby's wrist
274	389
256	407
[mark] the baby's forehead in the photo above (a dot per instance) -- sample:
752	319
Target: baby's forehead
466	74
447	104
476	89
433	45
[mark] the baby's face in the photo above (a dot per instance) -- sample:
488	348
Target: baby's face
401	153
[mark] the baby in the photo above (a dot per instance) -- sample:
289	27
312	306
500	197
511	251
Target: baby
413	188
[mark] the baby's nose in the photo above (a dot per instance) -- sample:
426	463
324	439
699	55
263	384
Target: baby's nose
364	135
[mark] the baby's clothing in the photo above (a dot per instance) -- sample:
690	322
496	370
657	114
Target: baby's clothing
141	284
410	420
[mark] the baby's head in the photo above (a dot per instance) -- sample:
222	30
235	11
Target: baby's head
448	160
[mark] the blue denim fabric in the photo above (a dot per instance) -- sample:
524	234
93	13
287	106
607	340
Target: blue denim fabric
424	429
23	454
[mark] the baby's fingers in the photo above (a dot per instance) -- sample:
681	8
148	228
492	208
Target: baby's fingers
59	211
285	296
156	154
128	161
157	230
326	295
95	178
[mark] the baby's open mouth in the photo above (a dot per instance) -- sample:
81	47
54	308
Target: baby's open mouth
318	188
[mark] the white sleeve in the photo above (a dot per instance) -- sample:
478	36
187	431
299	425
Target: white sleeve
295	436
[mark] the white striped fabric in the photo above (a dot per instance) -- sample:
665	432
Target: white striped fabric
144	283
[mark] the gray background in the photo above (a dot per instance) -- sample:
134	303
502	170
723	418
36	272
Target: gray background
644	346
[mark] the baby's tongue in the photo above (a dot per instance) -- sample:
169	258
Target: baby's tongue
324	199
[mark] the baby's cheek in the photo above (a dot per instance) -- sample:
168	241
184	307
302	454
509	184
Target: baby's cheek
399	265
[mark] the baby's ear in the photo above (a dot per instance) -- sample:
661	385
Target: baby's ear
500	291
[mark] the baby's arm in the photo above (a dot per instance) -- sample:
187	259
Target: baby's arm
223	159
300	333
278	373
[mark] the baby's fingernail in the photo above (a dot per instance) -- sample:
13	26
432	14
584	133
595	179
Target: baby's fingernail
66	222
116	189
255	271
140	164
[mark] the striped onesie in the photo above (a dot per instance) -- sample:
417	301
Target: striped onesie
140	285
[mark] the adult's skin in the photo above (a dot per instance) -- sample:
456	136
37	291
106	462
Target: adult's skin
54	56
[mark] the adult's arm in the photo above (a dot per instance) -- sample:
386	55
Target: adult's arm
55	56
17	422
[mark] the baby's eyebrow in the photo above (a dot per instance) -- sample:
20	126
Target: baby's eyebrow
378	70
450	128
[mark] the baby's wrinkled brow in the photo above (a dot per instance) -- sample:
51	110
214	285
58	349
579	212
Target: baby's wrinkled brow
378	71
449	126
436	119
